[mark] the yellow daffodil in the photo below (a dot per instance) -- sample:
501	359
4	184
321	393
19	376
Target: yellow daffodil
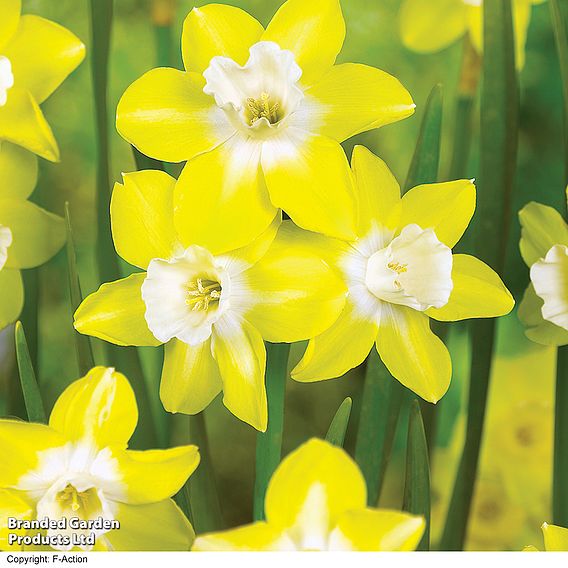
544	248
260	115
427	26
212	307
400	271
555	539
36	55
29	235
79	468
316	500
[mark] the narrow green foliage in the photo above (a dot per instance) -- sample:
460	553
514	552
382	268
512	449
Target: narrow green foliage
30	389
417	483
499	109
83	346
338	427
143	162
269	443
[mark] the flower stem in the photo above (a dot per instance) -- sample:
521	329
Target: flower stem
499	109
269	443
163	14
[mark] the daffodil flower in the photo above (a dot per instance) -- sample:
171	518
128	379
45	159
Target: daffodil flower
79	467
400	272
36	56
427	26
260	115
211	307
317	500
555	539
544	248
29	235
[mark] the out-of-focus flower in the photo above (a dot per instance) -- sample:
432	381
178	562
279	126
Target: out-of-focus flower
555	539
427	26
260	115
79	467
212	307
36	55
400	272
544	248
316	500
29	235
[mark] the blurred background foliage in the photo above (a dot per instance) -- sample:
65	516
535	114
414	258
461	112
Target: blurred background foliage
513	494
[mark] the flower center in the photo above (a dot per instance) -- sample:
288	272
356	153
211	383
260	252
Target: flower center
414	270
260	96
6	79
5	242
549	277
77	501
202	293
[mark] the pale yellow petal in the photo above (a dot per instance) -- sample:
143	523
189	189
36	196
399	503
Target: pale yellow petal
18	171
10	10
249	538
12	297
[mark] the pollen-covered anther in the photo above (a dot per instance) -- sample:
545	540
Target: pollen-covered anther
262	108
397	267
73	498
202	293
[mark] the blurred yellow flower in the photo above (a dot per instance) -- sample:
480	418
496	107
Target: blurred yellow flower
29	235
260	115
212	307
36	55
316	500
544	248
427	26
400	272
79	467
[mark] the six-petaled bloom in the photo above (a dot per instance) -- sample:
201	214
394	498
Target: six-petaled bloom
400	272
317	500
260	115
36	55
544	248
211	306
79	467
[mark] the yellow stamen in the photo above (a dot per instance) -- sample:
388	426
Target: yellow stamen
397	267
261	108
202	293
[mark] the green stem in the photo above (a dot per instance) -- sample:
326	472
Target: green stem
269	443
380	408
417	484
560	476
163	14
499	108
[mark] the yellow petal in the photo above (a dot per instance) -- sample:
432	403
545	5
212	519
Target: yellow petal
313	31
432	25
190	377
142	217
353	98
21	443
412	353
308	176
310	490
10	10
12	506
23	123
372	530
100	407
115	313
445	207
378	192
538	329
555	538
296	294
18	171
159	527
342	347
221	202
239	351
217	29
37	234
42	54
478	292
12	297
249	538
166	115
153	475
542	228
